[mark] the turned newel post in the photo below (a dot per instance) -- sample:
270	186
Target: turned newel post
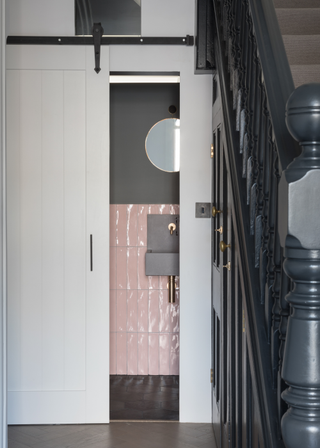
299	230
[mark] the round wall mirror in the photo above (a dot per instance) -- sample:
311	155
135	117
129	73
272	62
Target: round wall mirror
163	145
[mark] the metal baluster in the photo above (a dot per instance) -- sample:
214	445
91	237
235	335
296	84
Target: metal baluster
275	341
284	314
265	200
271	231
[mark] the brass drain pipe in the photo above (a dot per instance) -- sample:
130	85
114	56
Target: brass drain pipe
172	289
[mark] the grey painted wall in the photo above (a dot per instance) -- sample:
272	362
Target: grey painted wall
134	109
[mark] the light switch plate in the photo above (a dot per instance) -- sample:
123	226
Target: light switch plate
203	209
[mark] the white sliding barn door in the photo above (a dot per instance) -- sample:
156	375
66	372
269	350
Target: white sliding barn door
58	195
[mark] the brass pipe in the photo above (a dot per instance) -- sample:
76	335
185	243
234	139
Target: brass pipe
172	289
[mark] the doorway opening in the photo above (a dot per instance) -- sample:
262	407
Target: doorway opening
144	326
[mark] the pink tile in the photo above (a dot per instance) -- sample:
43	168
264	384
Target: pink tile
121	225
121	310
121	268
174	209
113	353
153	282
143	300
164	312
132	225
175	316
154	209
143	281
153	354
163	282
153	311
142	224
132	310
143	364
113	310
121	353
132	268
113	268
113	218
174	354
164	354
132	348
164	209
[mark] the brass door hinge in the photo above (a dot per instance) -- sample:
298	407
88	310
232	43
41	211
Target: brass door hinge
212	151
211	375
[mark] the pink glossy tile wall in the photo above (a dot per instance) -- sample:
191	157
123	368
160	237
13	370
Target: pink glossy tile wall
144	327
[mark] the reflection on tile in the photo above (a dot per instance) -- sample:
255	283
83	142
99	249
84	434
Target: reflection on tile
163	282
153	311
164	354
153	354
113	218
121	310
132	308
143	280
143	310
113	268
132	346
164	310
121	224
132	225
153	282
142	224
132	268
113	310
113	353
143	362
175	209
175	315
154	209
174	354
164	209
121	353
121	268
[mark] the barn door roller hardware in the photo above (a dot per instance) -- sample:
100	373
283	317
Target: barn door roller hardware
97	33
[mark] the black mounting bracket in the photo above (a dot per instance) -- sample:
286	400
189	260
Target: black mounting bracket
97	33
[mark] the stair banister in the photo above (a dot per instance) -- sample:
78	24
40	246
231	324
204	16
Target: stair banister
299	230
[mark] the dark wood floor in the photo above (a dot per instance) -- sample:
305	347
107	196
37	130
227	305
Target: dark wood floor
114	435
134	397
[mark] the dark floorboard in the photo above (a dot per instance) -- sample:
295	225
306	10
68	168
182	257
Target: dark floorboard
114	435
138	397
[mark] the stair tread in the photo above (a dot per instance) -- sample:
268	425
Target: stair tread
296	3
302	50
297	21
304	74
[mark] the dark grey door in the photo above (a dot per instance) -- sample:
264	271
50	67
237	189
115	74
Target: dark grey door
233	407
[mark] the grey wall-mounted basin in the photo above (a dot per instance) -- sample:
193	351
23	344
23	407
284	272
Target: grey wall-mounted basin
162	257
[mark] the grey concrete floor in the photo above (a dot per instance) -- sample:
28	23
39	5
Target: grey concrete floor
115	435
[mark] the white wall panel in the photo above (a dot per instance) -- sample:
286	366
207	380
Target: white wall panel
195	234
14	237
167	17
54	18
40	17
